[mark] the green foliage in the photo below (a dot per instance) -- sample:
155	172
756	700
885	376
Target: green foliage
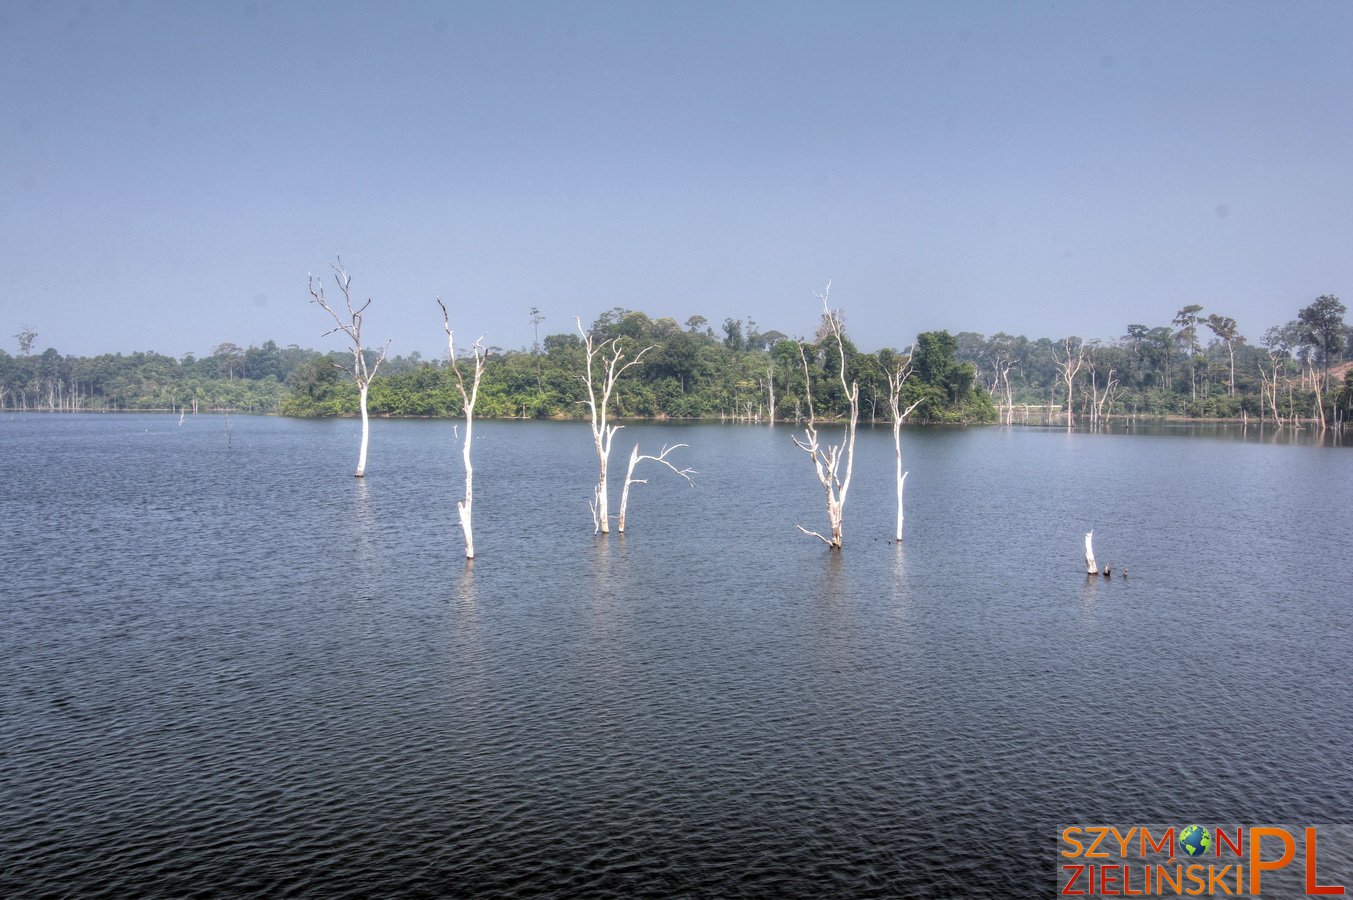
1167	370
946	387
682	374
149	381
694	372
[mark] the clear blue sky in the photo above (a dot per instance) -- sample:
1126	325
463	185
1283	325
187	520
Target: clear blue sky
173	170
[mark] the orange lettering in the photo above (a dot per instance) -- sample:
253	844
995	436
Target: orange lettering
1103	832
1258	866
1311	886
1127	882
1238	848
1075	873
1163	878
1166	843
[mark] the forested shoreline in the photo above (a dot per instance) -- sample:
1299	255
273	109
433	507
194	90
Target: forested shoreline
1197	366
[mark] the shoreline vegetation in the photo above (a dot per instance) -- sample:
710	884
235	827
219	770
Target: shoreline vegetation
1295	375
1051	420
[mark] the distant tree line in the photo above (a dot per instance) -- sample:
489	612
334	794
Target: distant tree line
688	373
1197	365
233	378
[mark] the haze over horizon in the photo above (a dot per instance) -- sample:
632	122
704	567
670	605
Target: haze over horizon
172	172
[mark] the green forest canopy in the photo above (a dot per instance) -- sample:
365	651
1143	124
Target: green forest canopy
1198	365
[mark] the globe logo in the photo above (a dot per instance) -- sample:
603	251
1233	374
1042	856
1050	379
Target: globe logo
1195	839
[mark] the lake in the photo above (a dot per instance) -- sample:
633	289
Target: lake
228	667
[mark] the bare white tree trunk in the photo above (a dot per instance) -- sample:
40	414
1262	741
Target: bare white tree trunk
770	389
1271	385
625	491
1099	400
827	460
1090	567
1069	366
1231	381
465	507
609	354
1003	366
896	379
468	398
635	459
1319	404
362	389
361	373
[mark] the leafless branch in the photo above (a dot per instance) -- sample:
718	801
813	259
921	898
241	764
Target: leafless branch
362	373
464	507
827	461
635	458
610	354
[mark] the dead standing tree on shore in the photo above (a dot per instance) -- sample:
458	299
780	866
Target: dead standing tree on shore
464	508
827	459
361	373
607	356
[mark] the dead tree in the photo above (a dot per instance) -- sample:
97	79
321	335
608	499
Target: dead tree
770	391
609	355
1090	567
1270	381
827	459
361	373
1102	402
1069	365
1002	366
896	379
635	459
1099	400
467	401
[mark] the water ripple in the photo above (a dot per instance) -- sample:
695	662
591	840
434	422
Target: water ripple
245	674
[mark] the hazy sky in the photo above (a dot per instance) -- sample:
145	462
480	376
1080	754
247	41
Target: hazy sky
173	170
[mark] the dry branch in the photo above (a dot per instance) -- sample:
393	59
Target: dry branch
896	379
635	459
827	460
1069	365
468	398
602	433
361	373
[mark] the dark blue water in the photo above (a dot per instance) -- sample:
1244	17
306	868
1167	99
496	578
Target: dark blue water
228	667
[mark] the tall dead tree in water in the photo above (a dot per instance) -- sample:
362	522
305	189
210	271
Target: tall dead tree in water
607	357
468	397
897	378
1100	400
1275	341
361	373
827	459
1069	365
635	458
1003	360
